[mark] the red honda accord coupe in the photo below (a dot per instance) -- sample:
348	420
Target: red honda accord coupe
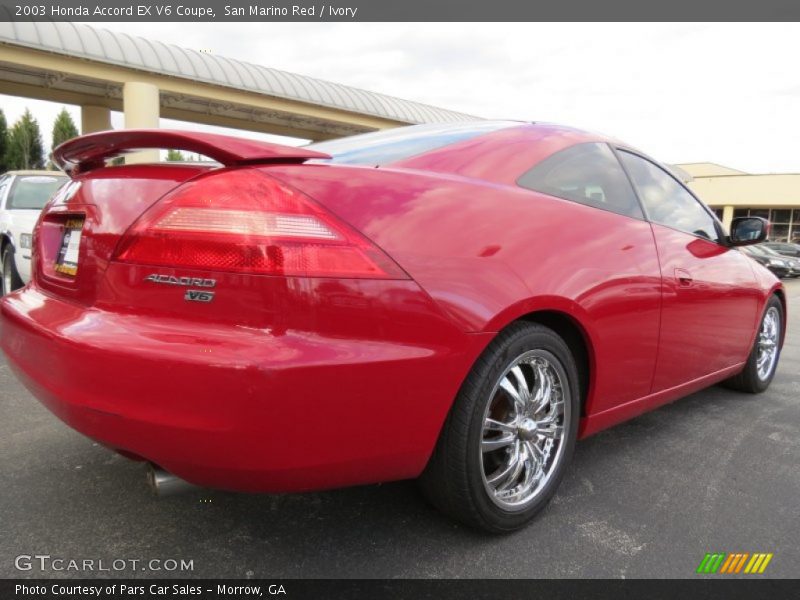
458	303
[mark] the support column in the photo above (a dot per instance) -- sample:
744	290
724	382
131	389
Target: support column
95	118
141	105
727	216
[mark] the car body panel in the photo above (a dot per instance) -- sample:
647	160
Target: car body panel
711	307
505	267
501	156
249	406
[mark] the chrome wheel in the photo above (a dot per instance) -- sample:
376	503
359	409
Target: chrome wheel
768	340
523	429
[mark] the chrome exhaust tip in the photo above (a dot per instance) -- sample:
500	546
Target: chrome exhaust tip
164	483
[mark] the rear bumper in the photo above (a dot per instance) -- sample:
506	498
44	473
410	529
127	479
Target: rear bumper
236	407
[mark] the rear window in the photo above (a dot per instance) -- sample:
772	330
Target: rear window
392	145
33	191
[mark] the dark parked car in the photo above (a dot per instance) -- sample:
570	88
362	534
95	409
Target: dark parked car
793	262
784	248
775	262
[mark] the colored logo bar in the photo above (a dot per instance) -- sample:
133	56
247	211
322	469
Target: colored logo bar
734	562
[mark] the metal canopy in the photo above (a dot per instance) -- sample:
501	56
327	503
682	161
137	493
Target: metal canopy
100	45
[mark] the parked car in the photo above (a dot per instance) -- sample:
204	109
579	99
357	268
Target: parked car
791	261
458	303
784	248
778	266
22	196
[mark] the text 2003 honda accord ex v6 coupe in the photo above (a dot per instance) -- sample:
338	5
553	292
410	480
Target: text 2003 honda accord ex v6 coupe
457	303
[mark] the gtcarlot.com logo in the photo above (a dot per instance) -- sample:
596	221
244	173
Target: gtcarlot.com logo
734	563
46	562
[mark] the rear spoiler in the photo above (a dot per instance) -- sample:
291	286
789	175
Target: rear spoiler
90	151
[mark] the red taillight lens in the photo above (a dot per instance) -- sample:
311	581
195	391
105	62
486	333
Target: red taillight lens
245	221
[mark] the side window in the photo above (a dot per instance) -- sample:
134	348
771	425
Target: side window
666	201
586	173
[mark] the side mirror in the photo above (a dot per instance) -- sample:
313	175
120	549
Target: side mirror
746	231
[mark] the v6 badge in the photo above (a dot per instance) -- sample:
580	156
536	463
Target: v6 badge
198	296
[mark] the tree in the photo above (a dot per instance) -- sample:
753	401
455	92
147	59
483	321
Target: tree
63	128
3	141
175	156
25	150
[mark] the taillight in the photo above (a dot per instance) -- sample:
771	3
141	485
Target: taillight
245	221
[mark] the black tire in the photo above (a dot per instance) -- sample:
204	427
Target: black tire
749	379
454	480
10	277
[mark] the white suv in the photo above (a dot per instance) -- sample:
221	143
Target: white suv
23	194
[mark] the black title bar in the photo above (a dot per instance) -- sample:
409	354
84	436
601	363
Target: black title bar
397	10
708	588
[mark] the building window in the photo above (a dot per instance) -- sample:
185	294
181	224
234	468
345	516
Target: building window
781	215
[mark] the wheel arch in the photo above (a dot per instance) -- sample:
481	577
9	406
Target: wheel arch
569	320
577	339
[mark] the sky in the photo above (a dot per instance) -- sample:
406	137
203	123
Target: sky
724	93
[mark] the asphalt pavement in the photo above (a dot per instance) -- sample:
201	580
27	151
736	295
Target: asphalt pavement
718	471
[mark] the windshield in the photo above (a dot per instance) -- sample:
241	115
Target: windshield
392	145
32	192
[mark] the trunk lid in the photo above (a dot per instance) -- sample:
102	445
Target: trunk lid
101	206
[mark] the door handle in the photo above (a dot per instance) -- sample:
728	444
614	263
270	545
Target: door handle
684	277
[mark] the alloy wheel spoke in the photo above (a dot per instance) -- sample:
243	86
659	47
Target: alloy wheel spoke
552	431
547	421
522	384
513	476
534	465
512	392
537	451
544	387
556	407
495	425
500	476
492	444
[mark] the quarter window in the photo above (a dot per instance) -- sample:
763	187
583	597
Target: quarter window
666	201
586	173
